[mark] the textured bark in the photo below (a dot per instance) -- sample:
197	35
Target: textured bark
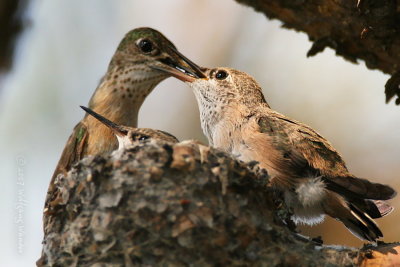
10	26
363	29
177	205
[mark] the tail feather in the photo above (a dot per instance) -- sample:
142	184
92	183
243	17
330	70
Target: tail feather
351	187
361	225
374	208
353	215
383	207
366	196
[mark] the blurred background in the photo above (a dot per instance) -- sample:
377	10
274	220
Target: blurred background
66	48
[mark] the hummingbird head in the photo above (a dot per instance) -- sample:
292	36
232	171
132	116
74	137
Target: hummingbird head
225	94
149	53
225	87
136	135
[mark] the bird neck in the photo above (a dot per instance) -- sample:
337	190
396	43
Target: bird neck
122	92
219	122
118	98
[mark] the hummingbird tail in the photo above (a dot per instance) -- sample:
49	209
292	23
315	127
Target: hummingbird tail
366	196
374	208
351	187
383	206
354	215
361	224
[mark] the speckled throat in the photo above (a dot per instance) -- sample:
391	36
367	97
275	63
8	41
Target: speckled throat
119	97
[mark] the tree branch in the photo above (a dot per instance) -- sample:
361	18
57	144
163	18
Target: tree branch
10	26
363	29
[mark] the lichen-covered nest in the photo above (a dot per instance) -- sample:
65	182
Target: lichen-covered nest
160	204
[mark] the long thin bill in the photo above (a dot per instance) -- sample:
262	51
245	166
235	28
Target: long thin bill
113	126
175	72
199	73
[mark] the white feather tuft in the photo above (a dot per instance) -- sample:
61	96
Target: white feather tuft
306	201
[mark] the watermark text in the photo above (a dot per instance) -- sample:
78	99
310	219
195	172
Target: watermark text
20	203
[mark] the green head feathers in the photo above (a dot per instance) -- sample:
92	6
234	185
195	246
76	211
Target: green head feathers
144	33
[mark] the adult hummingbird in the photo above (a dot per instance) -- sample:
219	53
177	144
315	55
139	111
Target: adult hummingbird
143	59
129	136
304	167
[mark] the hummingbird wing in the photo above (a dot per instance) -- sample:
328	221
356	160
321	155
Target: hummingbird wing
72	153
301	148
305	151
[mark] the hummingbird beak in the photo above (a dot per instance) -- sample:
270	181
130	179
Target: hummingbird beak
118	130
177	68
197	70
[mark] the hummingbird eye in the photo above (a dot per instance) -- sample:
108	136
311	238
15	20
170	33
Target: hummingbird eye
143	137
221	75
145	46
134	136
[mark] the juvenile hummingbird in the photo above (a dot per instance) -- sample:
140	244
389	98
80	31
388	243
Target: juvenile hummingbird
128	136
304	167
140	62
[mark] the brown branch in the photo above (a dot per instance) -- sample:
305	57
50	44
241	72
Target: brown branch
10	26
363	29
175	205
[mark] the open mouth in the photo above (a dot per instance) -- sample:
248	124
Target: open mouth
178	71
169	62
197	70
